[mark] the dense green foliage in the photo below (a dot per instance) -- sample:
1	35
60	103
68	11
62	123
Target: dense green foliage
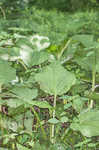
49	75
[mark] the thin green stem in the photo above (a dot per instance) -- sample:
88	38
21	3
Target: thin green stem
3	12
93	80
23	64
53	126
63	49
39	121
93	85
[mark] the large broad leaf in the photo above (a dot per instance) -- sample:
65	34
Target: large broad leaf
38	57
91	61
41	104
16	103
88	58
30	49
25	93
7	73
53	121
13	111
88	123
55	80
78	104
31	57
86	40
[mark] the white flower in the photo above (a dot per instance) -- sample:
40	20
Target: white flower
9	42
15	81
36	40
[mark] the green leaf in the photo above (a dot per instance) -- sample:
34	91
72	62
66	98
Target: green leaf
93	96
92	145
7	73
41	104
82	143
53	121
2	102
25	93
78	104
86	40
66	106
88	60
55	80
26	53
8	123
18	109
28	121
14	103
64	119
38	57
92	61
38	146
90	128
20	147
58	146
88	123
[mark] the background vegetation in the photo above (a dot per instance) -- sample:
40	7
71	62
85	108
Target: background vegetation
49	75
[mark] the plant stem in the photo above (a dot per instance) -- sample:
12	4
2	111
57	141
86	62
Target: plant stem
13	146
93	85
63	49
38	119
93	80
3	13
23	64
53	126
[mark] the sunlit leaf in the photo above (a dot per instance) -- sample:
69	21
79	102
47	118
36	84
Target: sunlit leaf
53	121
86	40
88	123
38	57
64	119
25	93
20	147
55	80
41	104
7	73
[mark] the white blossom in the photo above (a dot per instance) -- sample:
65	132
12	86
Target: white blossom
36	40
